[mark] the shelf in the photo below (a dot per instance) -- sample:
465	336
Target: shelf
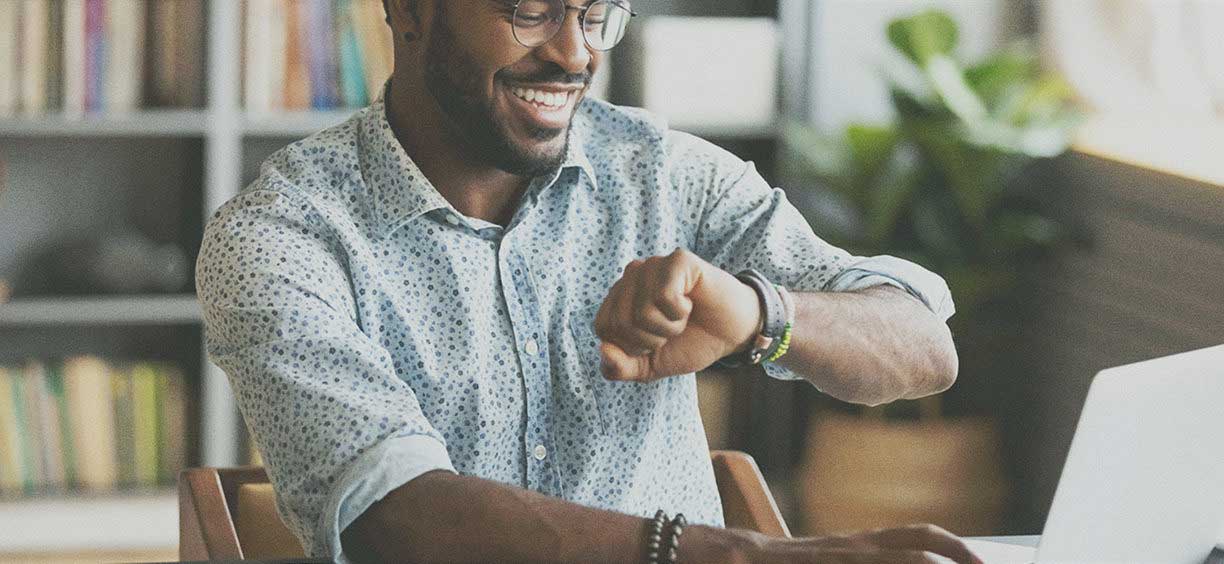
118	522
731	132
88	310
151	123
293	124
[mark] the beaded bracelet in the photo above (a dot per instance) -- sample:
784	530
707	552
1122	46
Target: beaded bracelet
784	341
654	539
657	551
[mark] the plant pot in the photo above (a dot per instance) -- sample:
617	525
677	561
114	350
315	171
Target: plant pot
862	473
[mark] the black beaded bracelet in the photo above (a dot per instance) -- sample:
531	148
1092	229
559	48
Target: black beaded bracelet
654	538
673	537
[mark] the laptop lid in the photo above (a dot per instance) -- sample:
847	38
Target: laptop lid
1144	480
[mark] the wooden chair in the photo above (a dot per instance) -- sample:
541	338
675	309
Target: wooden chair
230	513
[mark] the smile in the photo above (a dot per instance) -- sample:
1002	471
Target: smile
543	98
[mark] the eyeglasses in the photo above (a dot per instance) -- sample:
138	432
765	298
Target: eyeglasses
603	22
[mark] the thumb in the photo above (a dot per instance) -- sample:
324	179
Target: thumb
616	364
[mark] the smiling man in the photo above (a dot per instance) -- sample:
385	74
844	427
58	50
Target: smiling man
463	325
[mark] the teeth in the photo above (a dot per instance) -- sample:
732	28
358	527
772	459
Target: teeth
547	99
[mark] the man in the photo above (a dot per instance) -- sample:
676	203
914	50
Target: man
463	325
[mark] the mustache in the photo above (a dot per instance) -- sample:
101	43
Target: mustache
552	76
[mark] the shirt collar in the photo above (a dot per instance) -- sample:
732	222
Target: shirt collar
400	190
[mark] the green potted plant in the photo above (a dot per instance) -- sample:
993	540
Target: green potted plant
939	185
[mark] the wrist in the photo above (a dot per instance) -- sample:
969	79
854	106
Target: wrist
704	544
748	336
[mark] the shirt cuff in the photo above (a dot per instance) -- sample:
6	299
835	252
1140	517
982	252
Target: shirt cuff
389	465
864	273
921	283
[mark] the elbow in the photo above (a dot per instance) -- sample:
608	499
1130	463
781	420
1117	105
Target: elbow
943	363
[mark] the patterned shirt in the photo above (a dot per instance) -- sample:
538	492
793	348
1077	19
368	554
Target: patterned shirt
372	333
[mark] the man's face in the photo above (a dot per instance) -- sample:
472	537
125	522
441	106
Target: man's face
482	78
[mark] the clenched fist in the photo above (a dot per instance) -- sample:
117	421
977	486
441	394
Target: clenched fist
673	315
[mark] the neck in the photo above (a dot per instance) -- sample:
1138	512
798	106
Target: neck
472	186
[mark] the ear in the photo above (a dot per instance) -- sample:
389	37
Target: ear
404	18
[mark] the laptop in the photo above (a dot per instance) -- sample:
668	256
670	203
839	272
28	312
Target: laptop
1144	480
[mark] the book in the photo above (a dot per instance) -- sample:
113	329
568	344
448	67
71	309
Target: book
10	48
190	26
377	47
95	54
48	422
88	395
172	394
297	72
162	48
29	398
74	56
125	36
352	74
11	455
55	385
54	95
320	44
257	54
144	424
124	429
35	16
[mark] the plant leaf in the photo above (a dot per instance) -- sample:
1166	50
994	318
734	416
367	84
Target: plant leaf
924	35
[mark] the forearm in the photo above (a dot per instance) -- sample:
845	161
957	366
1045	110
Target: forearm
871	347
442	517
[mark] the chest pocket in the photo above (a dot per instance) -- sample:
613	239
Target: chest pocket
625	408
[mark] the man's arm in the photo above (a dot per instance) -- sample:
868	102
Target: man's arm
677	314
443	517
872	346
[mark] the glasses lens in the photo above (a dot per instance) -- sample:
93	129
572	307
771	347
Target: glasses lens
605	24
537	21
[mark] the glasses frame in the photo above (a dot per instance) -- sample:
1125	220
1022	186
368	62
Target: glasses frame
582	12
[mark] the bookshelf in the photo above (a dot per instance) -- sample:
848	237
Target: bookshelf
67	174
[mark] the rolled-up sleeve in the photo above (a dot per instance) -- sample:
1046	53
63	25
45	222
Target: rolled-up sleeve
744	223
337	428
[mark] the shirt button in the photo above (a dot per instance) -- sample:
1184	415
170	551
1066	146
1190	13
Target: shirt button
452	219
531	347
539	452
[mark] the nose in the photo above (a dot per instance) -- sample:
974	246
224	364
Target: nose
567	49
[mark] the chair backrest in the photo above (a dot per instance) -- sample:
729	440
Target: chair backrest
230	513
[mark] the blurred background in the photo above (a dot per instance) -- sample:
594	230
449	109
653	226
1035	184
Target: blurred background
1056	161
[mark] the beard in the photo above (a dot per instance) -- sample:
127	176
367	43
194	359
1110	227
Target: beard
453	78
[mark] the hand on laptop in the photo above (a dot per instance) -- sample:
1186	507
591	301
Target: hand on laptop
915	543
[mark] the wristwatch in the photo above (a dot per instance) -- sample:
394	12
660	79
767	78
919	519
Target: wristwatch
771	330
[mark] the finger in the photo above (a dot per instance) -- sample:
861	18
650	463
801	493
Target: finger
618	365
678	278
647	316
926	537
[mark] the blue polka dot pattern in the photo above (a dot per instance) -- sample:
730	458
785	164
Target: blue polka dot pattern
372	333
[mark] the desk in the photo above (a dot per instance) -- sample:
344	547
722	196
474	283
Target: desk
1024	540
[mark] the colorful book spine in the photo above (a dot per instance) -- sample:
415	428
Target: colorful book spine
12	465
376	44
124	431
321	55
88	394
352	75
144	424
297	70
34	53
75	54
10	49
95	54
